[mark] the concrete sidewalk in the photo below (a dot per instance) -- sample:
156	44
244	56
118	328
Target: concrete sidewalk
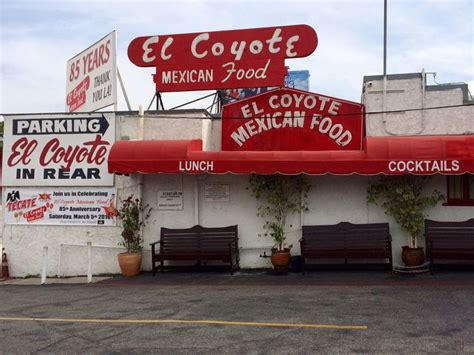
53	280
313	278
256	278
267	278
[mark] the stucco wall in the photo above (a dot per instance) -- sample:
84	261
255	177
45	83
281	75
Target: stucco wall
332	199
407	94
67	252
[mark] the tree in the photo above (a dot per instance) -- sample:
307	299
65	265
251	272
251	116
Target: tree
279	197
403	198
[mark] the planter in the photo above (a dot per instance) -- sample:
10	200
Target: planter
281	260
130	263
413	256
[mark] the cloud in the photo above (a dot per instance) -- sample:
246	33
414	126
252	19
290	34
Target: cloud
38	38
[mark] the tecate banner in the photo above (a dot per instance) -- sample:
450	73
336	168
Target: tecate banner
60	206
58	149
222	59
91	75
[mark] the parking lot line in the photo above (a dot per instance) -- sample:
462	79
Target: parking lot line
181	321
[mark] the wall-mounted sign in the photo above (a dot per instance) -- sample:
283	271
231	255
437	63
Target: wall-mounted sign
423	166
170	200
91	75
288	119
58	149
216	193
60	206
223	59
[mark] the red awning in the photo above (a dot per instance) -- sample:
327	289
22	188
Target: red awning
388	155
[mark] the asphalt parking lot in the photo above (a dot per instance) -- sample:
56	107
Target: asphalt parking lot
258	313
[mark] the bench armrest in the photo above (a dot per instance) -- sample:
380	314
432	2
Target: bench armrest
158	242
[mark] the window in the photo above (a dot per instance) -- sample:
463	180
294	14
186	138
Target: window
460	190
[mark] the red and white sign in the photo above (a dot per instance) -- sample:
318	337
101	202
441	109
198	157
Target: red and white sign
289	119
223	59
58	149
60	206
91	81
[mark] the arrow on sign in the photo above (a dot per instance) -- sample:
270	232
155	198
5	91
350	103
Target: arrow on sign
64	125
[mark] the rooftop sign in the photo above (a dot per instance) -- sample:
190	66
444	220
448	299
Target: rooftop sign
91	81
289	119
223	59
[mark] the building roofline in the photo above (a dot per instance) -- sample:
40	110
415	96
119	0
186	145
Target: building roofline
392	76
124	113
439	87
464	88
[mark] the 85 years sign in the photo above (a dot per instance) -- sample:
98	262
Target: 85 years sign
91	77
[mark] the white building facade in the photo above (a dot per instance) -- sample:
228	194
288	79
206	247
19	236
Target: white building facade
402	105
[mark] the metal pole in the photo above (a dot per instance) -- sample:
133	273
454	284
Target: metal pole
59	262
385	38
151	103
159	101
191	102
123	90
44	268
384	90
89	262
196	200
219	102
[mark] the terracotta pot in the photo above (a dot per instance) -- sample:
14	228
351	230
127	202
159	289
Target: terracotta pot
130	263
413	256
281	260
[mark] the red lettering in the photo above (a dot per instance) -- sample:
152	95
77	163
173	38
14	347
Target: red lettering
21	151
107	51
93	152
77	97
188	50
98	150
91	60
21	205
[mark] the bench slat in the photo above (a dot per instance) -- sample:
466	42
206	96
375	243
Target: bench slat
449	240
197	243
346	241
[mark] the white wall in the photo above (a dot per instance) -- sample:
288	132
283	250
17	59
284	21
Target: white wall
407	93
67	253
332	199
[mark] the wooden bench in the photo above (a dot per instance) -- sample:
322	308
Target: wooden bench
197	243
346	241
449	240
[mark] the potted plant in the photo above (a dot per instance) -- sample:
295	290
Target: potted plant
279	197
404	198
133	215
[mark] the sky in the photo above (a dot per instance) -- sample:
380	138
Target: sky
38	37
